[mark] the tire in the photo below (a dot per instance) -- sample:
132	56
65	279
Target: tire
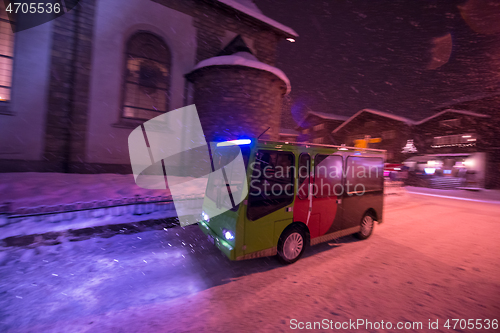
367	224
291	245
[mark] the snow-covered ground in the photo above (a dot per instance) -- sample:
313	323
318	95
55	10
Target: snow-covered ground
30	189
431	259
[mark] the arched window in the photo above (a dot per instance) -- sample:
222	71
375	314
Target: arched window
147	77
6	54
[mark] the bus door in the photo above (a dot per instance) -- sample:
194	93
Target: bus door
363	188
326	194
271	194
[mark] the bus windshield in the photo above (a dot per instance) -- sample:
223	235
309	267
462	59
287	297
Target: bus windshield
226	185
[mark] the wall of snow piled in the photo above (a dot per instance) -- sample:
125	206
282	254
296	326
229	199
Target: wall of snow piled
43	219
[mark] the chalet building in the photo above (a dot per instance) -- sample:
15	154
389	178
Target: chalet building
453	143
74	88
288	135
317	127
382	130
475	116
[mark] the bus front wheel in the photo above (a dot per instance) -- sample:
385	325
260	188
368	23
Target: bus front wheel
291	245
367	223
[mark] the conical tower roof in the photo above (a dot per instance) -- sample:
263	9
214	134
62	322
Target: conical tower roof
237	53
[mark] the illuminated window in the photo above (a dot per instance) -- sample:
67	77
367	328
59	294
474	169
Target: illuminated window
6	54
319	127
319	140
460	140
147	77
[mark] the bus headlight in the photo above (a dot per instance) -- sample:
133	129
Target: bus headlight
205	216
227	234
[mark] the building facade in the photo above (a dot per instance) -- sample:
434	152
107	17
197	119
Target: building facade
475	116
75	87
381	130
316	127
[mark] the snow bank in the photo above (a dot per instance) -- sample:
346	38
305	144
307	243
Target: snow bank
53	202
31	189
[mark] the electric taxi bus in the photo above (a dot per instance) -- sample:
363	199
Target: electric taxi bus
268	198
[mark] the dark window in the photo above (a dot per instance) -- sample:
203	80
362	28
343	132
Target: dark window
450	123
272	183
6	54
303	175
147	77
327	176
364	174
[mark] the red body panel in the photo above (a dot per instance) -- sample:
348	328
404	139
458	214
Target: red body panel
323	213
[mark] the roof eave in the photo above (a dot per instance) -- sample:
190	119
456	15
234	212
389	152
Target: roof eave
285	31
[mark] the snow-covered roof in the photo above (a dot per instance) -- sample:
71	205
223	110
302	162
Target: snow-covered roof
249	8
465	112
322	115
328	116
244	59
379	113
289	132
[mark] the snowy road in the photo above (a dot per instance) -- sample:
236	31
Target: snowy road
431	259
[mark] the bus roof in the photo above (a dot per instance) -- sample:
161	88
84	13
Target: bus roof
319	145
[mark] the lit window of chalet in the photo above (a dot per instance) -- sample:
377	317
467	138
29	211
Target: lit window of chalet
6	54
147	77
319	127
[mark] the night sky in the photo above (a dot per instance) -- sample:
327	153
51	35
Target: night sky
354	54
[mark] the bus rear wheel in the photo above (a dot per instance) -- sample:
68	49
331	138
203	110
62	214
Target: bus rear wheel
291	245
367	224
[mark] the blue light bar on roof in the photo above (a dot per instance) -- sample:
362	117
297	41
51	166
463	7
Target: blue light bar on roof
234	143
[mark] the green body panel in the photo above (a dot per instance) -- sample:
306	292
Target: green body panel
221	244
263	233
230	220
279	226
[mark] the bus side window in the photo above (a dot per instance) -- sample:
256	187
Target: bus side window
364	174
272	183
303	175
327	176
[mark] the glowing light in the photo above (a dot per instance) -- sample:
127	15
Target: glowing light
429	171
234	143
205	217
291	40
228	234
466	136
469	163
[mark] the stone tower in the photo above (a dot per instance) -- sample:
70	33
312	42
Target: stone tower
237	96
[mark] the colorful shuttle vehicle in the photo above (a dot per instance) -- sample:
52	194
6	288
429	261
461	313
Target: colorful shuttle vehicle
266	198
